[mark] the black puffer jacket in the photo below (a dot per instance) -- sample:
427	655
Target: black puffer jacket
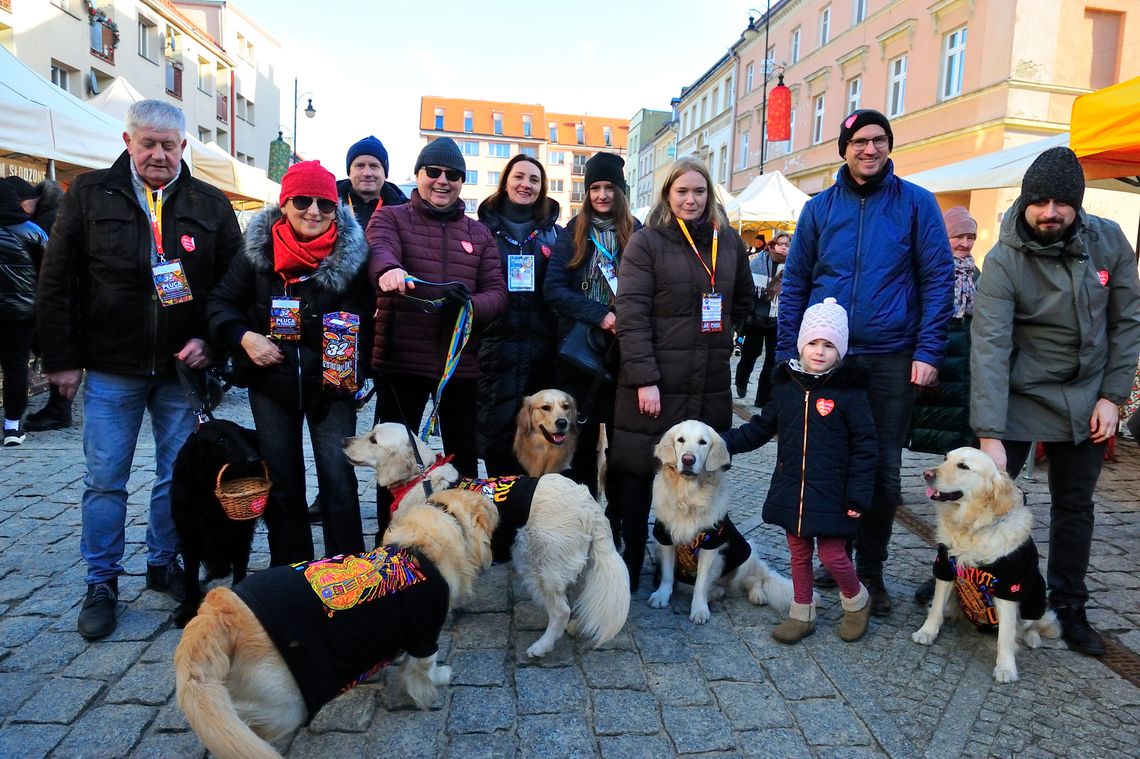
96	303
21	250
940	420
241	303
390	195
825	463
517	350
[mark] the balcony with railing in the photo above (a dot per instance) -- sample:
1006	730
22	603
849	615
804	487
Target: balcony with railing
223	108
103	39
174	78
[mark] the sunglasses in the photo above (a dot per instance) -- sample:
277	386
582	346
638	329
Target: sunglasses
302	202
433	172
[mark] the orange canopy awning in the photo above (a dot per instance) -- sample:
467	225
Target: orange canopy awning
1105	131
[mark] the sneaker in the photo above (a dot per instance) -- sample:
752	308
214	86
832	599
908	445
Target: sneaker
15	437
45	420
880	599
821	578
1077	633
168	578
97	617
925	593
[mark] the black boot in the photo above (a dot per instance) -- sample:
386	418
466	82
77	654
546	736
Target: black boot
1077	632
55	415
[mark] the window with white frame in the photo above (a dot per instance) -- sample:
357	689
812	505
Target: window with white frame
472	177
953	60
555	157
749	75
469	147
608	136
825	26
528	150
61	76
147	39
858	11
470	205
468	121
553	127
796	45
716	100
493	177
205	68
439	118
704	109
817	119
744	150
896	87
723	163
727	93
497	122
684	123
527	125
791	130
854	94
249	113
499	149
556	185
580	133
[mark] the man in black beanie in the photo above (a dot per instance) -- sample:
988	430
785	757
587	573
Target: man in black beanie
877	244
367	187
1055	336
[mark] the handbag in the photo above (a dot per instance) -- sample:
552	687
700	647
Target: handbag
586	348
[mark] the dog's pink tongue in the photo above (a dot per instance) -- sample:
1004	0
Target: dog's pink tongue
930	492
558	438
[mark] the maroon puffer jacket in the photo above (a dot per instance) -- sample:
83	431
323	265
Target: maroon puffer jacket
436	247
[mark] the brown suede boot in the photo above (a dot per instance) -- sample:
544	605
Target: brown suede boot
856	615
799	624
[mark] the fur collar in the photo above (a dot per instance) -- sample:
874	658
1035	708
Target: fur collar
336	272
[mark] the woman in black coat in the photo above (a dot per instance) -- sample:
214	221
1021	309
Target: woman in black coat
516	352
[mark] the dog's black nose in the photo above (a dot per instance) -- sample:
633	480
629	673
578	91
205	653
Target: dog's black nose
561	424
688	459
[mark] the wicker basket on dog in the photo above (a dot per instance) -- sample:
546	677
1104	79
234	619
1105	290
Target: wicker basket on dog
243	498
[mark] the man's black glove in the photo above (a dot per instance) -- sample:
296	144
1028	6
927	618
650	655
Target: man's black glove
456	296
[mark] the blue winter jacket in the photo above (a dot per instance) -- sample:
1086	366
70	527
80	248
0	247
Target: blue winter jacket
886	258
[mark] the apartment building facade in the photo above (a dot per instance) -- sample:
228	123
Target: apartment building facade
642	129
491	132
189	54
705	113
957	78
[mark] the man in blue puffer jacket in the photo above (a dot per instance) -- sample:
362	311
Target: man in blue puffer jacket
878	245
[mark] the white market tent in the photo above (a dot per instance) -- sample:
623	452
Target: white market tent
769	199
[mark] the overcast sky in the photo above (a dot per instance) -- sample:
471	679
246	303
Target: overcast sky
367	63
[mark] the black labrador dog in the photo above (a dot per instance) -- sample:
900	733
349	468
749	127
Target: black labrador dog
207	535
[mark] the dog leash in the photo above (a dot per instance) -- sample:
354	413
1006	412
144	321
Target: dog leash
415	448
194	391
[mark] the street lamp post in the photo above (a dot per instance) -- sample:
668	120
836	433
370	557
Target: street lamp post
764	100
310	112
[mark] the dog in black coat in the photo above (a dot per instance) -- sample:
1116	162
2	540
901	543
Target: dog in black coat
207	535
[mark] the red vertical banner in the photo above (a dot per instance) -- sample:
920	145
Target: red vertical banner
779	113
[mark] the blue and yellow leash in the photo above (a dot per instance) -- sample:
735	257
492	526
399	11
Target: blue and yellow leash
460	334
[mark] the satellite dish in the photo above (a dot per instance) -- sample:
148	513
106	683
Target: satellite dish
92	83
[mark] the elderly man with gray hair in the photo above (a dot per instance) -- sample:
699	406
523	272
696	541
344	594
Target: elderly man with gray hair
134	252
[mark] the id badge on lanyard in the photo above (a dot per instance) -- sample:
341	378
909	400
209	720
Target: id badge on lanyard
520	273
712	303
285	319
170	281
606	264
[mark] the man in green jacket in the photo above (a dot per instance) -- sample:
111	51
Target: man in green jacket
1055	338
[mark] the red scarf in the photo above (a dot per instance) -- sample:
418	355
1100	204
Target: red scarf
293	257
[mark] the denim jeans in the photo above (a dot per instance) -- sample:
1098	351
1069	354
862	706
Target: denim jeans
279	435
113	414
892	397
1073	472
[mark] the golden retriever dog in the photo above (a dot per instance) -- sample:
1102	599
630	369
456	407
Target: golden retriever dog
556	536
986	554
259	661
546	432
694	533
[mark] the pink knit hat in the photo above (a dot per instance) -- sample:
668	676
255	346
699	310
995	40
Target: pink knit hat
959	222
826	321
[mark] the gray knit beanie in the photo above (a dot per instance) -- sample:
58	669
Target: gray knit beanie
441	151
1056	174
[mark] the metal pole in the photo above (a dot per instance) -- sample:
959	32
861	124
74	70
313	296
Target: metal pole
296	100
764	102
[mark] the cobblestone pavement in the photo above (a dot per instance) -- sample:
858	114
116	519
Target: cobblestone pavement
663	687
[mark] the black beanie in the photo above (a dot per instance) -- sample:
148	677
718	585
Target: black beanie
368	146
606	167
441	151
24	189
1056	174
856	120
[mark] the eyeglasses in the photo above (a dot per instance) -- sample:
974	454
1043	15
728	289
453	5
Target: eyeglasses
433	172
302	202
879	142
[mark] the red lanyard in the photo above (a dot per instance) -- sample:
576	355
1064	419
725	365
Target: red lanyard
711	272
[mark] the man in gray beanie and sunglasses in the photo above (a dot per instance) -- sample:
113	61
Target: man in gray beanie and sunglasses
1055	337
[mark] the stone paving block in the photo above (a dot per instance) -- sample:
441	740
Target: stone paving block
760	643
106	732
797	676
48	652
751	706
661	645
348	712
635	747
563	735
625	712
402	734
529	616
50	605
171	719
562	655
550	691
784	743
473	746
623	641
729	662
480	710
490	593
30	741
62	699
481	630
828	722
15	689
855	752
332	746
151	684
697	729
613	669
678	684
162	649
478	667
137	623
156	745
